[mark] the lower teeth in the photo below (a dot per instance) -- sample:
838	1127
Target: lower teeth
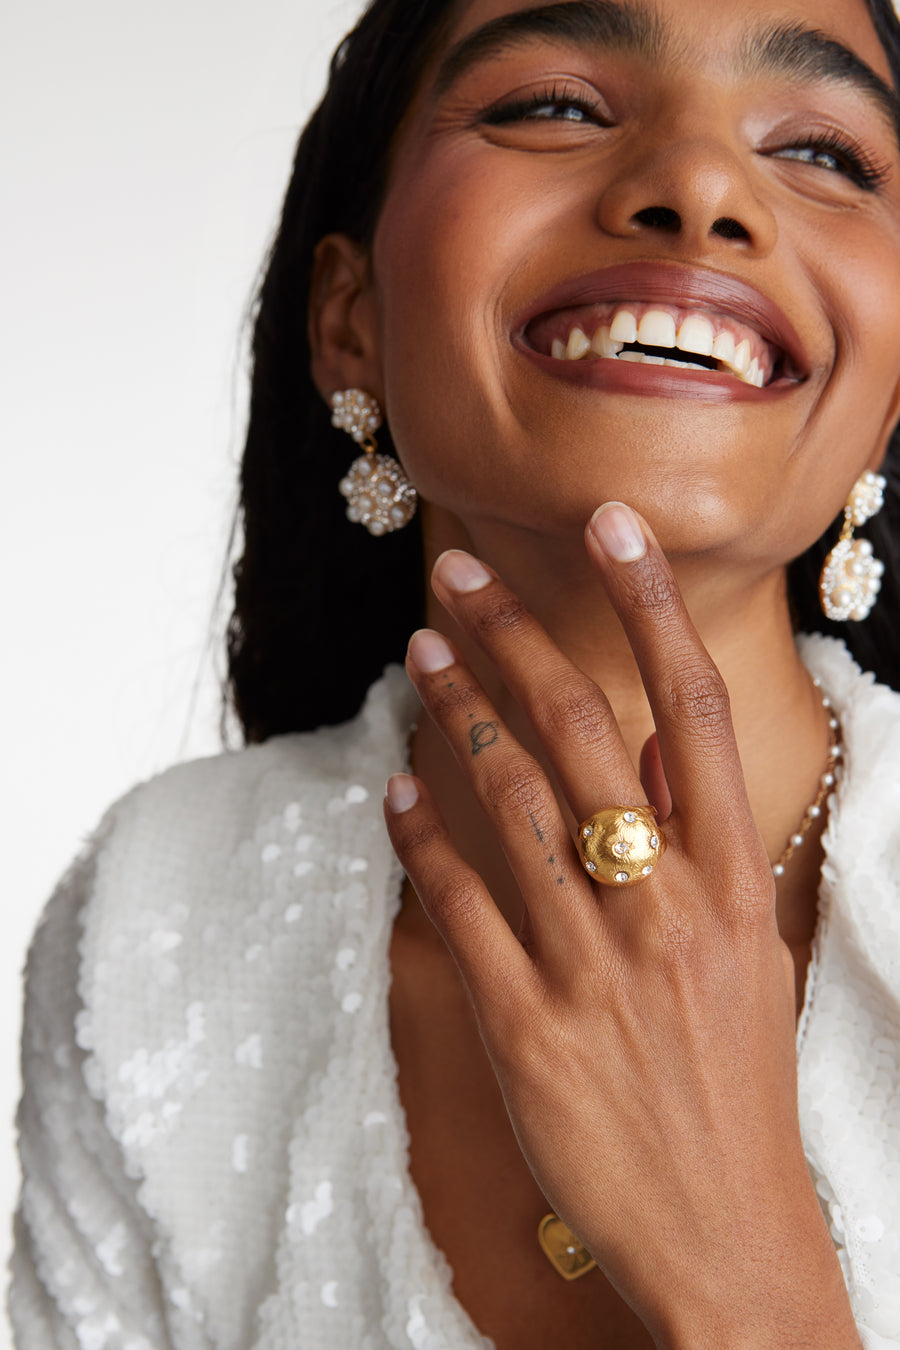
638	357
646	359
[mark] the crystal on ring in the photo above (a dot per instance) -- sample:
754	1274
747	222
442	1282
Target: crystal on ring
621	876
645	871
620	848
654	841
587	831
630	817
591	867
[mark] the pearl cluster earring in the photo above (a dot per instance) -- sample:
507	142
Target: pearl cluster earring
378	493
851	577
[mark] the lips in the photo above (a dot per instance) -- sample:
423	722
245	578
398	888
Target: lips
703	324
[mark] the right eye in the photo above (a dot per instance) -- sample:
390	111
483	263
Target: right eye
552	104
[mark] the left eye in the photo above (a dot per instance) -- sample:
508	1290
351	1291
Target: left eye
811	154
836	157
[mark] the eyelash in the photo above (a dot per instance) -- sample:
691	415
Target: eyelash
526	109
853	162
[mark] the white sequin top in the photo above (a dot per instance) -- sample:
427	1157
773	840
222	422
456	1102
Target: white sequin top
213	1146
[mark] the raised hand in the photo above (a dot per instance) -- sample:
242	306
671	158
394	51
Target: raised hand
643	1038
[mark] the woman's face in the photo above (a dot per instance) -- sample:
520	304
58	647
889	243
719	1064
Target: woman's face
730	170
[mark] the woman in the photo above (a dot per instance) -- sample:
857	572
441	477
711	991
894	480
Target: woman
581	255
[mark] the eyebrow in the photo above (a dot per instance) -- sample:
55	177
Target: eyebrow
809	55
582	23
796	50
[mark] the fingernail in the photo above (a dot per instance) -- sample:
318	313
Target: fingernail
429	652
401	792
618	532
461	572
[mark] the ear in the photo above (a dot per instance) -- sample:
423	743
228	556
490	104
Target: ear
343	331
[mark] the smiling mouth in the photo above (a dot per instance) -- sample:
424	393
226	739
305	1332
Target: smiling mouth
662	335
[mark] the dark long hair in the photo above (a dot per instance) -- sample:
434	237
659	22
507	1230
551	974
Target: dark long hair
320	605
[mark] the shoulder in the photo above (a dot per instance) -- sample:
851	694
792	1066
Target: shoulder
862	840
177	836
197	857
860	699
225	926
870	726
849	1036
861	873
198	809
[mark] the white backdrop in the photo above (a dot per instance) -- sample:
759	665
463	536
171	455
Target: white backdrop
144	153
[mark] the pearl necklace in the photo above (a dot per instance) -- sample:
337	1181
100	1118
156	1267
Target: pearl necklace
826	783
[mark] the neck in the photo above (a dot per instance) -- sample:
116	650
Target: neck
744	622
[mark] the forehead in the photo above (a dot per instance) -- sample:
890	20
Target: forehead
706	33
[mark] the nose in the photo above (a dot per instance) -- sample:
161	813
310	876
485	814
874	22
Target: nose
691	191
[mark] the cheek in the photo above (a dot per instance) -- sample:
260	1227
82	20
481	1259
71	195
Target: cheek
859	276
452	245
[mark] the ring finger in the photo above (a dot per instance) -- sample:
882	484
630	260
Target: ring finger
509	784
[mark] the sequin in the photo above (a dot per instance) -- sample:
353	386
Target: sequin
249	1052
110	1249
293	814
314	1211
232	1140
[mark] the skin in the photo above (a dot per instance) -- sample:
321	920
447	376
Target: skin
626	1059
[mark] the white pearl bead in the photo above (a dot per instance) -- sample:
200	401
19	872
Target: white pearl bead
796	840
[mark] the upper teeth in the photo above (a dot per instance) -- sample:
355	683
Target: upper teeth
696	334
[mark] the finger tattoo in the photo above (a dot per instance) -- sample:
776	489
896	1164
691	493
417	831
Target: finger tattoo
483	735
